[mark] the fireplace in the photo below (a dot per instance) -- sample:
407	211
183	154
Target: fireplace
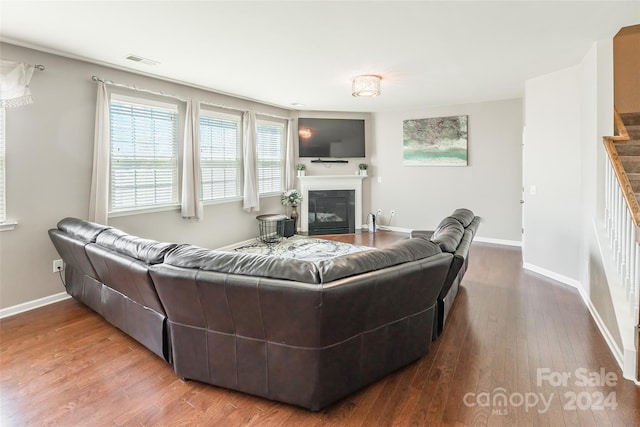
309	184
331	212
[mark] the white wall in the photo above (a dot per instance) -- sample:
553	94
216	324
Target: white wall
552	163
567	113
490	185
49	158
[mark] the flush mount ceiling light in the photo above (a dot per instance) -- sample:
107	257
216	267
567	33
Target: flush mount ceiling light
304	133
367	85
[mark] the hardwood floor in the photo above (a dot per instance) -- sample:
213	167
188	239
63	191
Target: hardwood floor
64	365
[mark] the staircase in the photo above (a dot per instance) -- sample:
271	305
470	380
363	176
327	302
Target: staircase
629	151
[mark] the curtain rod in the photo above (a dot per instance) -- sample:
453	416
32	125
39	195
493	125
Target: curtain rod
153	92
226	107
109	82
274	116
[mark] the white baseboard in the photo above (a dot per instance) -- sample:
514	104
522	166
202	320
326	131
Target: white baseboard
602	327
30	305
397	229
552	275
604	331
498	241
626	358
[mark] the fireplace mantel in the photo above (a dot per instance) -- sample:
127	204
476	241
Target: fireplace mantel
330	182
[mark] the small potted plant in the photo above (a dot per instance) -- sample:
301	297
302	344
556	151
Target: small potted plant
363	169
292	198
301	167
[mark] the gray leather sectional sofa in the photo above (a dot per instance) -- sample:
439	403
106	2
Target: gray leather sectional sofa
304	333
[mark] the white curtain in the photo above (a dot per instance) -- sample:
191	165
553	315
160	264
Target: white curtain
191	200
14	83
250	191
99	197
289	167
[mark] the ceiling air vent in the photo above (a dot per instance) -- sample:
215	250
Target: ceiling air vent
140	59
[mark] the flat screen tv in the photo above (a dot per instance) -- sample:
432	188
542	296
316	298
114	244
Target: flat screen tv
333	138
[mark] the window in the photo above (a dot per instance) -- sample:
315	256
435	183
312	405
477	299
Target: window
270	154
144	161
3	210
220	156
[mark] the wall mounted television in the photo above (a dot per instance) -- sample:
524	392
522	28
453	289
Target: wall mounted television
332	138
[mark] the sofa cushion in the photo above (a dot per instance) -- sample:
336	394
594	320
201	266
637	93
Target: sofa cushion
424	234
448	234
406	250
189	256
81	229
145	250
464	216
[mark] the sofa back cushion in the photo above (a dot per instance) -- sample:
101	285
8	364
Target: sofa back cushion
70	238
464	216
80	229
190	256
406	250
71	250
145	250
448	234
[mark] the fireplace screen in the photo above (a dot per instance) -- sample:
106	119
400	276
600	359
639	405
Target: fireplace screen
331	212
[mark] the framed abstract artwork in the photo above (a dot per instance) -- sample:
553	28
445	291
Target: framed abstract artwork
437	141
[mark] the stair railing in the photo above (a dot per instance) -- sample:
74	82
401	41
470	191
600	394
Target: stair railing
622	217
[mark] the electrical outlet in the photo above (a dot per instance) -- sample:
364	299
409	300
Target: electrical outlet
58	265
393	212
379	213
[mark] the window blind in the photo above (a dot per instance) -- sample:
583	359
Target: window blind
220	156
270	157
3	182
144	161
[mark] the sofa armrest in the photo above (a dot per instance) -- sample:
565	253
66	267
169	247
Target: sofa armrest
463	248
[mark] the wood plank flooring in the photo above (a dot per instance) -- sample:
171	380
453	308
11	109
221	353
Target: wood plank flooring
64	365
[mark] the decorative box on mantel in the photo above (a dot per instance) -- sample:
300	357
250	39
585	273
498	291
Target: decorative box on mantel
330	182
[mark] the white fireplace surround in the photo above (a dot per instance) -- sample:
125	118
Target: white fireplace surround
330	182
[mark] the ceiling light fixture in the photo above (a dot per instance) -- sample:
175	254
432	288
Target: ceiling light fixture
366	85
304	133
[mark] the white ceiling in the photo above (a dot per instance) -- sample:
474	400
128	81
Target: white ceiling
281	53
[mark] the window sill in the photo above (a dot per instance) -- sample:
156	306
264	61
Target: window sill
276	194
221	201
8	226
144	211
